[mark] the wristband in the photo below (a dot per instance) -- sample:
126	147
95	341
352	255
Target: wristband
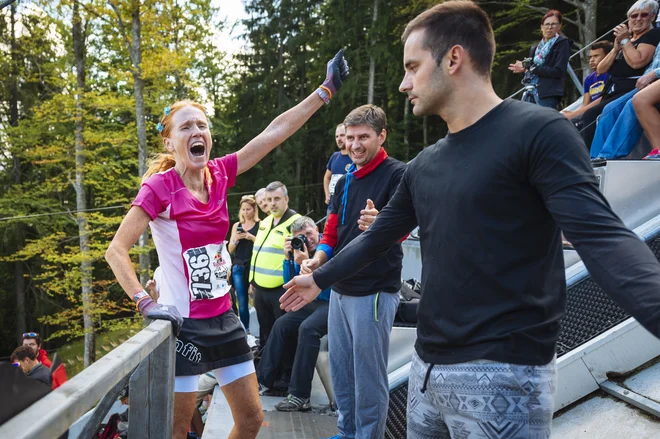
142	299
323	95
326	89
625	41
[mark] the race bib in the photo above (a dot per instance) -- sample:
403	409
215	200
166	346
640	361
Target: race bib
207	271
333	182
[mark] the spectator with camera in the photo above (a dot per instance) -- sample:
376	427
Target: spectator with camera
547	63
266	264
337	166
241	242
363	305
297	332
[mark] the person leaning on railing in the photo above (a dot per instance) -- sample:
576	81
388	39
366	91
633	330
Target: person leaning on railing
183	199
634	46
549	61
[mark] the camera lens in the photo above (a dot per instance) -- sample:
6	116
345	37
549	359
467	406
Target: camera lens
299	242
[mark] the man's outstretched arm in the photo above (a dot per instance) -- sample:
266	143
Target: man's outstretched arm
395	221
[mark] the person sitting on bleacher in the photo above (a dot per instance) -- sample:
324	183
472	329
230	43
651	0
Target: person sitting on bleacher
618	129
646	108
594	84
299	332
634	46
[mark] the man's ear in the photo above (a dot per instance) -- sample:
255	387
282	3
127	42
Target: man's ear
382	137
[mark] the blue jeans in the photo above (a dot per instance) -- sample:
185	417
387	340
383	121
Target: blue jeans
618	129
359	341
241	287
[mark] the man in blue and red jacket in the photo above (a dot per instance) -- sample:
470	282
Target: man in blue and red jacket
362	306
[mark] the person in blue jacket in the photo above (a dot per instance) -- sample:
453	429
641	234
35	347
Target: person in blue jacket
297	332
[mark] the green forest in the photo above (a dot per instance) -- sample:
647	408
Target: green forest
84	83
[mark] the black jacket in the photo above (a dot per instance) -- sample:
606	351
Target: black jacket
376	181
553	71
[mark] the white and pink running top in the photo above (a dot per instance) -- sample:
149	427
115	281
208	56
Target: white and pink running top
190	239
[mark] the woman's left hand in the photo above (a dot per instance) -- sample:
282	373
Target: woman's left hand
645	80
249	236
621	32
517	67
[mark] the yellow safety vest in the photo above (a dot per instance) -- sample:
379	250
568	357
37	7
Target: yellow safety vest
268	252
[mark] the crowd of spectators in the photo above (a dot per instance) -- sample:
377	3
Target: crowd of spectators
621	100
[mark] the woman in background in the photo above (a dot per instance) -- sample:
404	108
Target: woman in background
240	246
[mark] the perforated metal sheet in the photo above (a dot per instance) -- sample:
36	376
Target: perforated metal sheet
396	416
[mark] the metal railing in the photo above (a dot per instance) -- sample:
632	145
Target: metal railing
145	362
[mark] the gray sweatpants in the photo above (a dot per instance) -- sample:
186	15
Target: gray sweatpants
480	399
358	346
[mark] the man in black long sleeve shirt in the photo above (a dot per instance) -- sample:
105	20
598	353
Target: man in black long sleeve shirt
490	200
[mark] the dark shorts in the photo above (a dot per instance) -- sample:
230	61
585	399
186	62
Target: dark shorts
207	344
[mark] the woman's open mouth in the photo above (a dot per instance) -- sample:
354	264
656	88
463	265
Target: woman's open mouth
198	149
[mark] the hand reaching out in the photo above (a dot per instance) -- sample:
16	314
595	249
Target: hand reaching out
301	290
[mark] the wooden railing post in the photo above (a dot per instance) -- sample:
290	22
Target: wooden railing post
161	389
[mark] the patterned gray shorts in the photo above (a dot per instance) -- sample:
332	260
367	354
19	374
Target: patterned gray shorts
480	399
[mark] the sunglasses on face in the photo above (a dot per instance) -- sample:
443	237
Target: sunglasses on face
30	334
641	15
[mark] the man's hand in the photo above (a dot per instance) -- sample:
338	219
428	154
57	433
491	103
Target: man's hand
645	80
300	255
567	114
336	73
287	248
152	310
301	290
367	216
309	265
327	198
251	291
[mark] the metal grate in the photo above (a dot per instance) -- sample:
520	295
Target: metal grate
396	415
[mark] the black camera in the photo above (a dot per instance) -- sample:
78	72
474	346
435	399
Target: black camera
299	242
239	228
527	63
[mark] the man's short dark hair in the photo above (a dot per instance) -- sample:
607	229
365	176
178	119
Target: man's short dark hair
275	185
36	338
605	45
457	22
23	352
370	115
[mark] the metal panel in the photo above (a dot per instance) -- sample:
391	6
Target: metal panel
631	187
574	381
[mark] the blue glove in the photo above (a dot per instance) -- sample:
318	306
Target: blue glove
152	310
336	73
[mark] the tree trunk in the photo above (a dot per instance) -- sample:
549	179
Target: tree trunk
590	10
19	281
81	201
138	86
372	58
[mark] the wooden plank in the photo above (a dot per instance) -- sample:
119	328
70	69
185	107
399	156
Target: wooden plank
53	414
139	403
161	390
94	422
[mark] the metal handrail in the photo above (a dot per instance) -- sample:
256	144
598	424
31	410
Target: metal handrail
146	361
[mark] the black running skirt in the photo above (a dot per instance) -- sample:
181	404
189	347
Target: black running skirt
207	344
